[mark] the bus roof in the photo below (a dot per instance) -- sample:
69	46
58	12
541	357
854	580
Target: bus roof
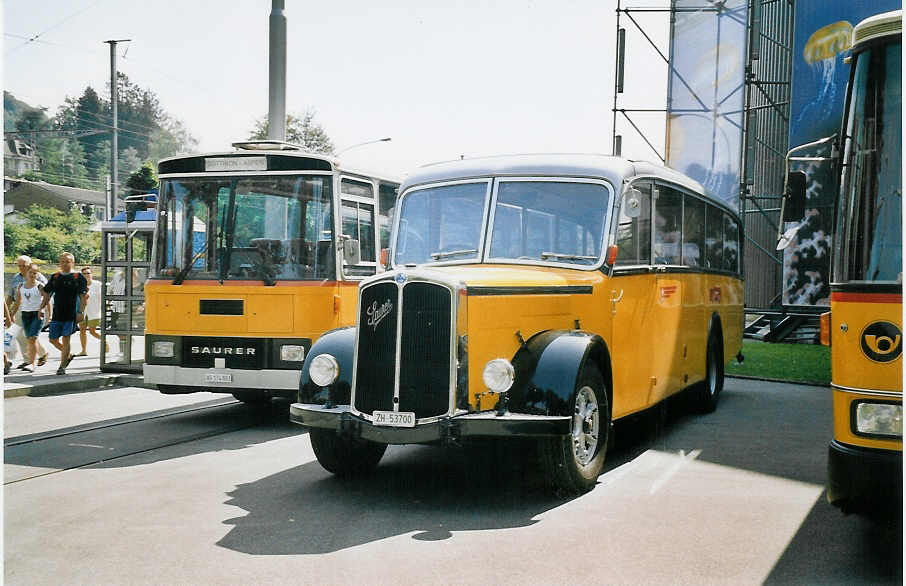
194	162
613	169
878	26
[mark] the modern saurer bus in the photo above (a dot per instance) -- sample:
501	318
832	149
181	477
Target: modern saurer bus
536	296
258	252
864	325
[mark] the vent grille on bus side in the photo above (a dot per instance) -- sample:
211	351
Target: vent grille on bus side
376	368
425	357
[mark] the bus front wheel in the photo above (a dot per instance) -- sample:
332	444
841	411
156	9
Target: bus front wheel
575	461
343	456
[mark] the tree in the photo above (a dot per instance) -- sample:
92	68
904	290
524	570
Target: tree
301	130
143	180
47	232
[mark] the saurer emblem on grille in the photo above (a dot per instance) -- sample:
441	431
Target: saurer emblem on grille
376	314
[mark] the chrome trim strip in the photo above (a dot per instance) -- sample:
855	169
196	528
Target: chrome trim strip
869	392
477	291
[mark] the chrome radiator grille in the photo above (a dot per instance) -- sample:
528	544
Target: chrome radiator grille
425	356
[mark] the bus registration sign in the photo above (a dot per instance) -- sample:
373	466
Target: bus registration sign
394	418
218	378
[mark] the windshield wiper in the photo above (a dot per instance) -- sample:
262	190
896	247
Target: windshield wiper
561	256
185	270
449	253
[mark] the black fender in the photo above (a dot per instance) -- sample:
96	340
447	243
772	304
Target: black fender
547	367
340	343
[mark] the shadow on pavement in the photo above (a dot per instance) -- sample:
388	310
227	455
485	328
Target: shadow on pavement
431	491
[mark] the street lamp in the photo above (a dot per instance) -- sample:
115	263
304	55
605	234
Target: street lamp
343	150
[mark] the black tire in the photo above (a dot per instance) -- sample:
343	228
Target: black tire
345	457
575	461
252	397
709	389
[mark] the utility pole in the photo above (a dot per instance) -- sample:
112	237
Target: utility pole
276	114
114	147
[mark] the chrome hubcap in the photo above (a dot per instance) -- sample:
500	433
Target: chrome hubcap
586	425
712	374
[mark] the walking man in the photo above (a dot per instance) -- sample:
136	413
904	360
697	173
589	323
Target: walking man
68	289
23	263
91	317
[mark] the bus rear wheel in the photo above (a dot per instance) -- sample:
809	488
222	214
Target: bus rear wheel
709	389
575	461
344	456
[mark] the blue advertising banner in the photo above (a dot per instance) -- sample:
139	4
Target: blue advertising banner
822	32
706	93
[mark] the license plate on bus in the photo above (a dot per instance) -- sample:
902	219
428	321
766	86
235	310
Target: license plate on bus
218	378
393	418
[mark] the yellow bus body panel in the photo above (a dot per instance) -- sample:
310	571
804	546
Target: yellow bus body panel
285	310
657	326
853	370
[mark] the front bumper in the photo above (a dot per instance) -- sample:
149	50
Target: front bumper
862	479
242	380
461	425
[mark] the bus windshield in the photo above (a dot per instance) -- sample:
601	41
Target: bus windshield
534	221
870	219
241	228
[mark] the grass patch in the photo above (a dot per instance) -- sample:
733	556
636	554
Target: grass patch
789	362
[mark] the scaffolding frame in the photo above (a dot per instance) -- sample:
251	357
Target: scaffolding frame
765	128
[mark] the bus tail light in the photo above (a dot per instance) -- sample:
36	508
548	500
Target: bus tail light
825	328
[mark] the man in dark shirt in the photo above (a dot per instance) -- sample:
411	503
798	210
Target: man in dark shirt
69	292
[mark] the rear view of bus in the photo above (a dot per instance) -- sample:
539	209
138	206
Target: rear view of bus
865	322
258	252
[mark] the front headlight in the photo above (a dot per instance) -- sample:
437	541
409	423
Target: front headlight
879	419
162	349
292	353
498	375
323	370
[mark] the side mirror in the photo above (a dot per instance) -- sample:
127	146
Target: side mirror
351	251
632	203
794	196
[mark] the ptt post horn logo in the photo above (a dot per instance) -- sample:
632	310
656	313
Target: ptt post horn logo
882	341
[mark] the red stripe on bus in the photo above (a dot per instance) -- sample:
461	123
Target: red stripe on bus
867	297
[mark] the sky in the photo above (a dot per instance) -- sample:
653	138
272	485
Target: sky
442	78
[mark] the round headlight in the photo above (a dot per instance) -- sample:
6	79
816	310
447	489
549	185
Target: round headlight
323	370
498	375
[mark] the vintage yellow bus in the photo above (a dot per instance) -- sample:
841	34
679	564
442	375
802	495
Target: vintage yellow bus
538	296
258	252
864	326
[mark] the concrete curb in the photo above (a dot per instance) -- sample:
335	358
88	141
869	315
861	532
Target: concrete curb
777	380
74	384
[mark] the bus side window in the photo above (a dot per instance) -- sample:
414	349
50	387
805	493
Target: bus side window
634	234
731	244
714	238
668	215
693	231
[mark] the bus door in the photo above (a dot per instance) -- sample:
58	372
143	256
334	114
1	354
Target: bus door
358	239
666	335
634	307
